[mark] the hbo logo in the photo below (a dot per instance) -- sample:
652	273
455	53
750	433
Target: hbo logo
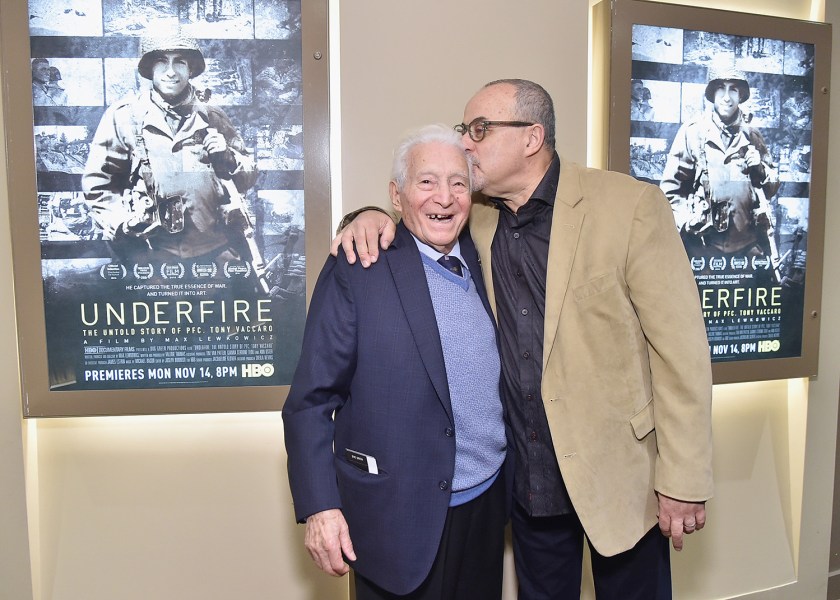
266	370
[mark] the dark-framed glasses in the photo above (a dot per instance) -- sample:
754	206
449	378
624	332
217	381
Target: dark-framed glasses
477	128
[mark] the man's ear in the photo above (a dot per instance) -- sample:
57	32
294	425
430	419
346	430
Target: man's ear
394	192
536	139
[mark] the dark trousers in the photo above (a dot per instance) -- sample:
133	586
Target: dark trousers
468	565
548	553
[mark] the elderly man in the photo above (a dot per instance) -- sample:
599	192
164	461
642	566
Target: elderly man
604	354
165	170
719	178
394	423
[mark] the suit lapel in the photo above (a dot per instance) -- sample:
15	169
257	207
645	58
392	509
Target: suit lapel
566	226
484	219
473	260
410	279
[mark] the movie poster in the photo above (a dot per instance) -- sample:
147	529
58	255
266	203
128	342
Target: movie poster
169	165
722	123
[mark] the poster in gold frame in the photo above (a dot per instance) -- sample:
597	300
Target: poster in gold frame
102	333
727	113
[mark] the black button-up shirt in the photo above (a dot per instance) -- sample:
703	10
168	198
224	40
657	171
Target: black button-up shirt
520	261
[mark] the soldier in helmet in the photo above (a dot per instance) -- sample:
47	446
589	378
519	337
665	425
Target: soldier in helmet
719	177
46	91
640	108
163	166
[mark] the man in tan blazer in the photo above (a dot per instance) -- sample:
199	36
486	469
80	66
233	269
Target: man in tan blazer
604	353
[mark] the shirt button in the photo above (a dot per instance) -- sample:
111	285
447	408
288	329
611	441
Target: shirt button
516	236
529	397
449	432
526	355
518	273
524	312
444	485
533	436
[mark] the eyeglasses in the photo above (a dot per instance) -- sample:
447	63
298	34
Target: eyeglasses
477	128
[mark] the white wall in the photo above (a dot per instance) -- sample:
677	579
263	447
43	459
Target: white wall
405	64
196	506
169	507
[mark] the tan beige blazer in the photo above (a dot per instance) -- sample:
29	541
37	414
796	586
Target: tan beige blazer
627	379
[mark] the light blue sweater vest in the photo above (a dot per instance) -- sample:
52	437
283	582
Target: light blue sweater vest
472	370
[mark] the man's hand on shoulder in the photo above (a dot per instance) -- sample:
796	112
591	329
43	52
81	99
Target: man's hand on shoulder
327	536
677	517
370	229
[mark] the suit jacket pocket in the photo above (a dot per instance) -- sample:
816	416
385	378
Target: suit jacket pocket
595	286
643	422
606	336
346	468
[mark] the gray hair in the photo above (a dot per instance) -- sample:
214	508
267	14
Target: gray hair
436	133
533	104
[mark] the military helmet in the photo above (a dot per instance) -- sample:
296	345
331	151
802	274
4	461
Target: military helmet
150	47
718	75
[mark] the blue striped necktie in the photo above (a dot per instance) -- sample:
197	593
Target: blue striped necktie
451	264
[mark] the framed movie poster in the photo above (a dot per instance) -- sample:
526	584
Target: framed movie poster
727	113
167	175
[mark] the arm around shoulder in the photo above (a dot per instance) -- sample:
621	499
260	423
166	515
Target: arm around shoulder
369	228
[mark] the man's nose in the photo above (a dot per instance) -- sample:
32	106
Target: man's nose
446	197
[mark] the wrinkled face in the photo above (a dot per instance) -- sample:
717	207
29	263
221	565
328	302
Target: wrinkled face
41	72
727	99
496	158
435	199
170	74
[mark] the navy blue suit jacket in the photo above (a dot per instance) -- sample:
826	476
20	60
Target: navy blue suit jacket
371	378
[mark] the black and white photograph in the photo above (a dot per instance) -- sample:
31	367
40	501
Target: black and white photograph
61	148
66	82
78	18
168	139
65	217
722	124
